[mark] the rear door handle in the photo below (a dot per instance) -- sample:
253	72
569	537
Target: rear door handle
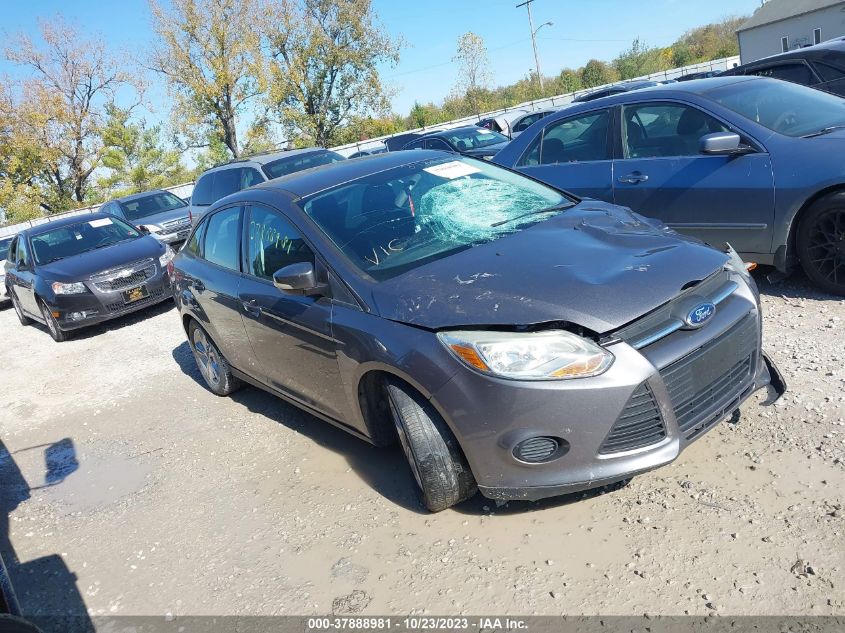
251	307
633	178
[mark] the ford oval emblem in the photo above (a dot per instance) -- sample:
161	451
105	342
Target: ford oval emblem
700	314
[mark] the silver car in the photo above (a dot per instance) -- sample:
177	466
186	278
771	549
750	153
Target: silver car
161	213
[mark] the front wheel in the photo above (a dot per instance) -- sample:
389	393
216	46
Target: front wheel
437	462
821	243
56	332
213	366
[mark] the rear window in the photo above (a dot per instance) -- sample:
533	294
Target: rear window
293	164
201	195
150	205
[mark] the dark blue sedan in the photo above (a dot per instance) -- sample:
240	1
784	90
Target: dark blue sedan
754	162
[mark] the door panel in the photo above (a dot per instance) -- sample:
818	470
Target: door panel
214	283
291	334
717	199
574	155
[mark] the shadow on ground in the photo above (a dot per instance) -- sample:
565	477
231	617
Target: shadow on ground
45	588
794	286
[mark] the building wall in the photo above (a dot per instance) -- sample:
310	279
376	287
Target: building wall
765	40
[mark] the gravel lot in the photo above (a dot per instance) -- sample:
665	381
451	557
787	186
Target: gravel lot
128	488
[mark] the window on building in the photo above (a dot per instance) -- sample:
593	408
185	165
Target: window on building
817	36
784	44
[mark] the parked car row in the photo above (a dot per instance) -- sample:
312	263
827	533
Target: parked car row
506	322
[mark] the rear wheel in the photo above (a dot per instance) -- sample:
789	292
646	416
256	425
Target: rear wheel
821	243
437	463
56	332
213	366
25	320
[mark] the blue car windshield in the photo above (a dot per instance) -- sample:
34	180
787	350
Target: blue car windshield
398	219
74	239
472	138
781	106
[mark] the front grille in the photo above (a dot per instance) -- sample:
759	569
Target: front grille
130	275
176	225
639	425
120	306
704	382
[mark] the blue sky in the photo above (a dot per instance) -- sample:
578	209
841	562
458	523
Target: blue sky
582	29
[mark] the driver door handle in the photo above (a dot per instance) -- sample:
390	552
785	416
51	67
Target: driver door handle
633	178
251	307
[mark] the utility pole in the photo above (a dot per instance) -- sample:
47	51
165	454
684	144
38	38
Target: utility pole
527	5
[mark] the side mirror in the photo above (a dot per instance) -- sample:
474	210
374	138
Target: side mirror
719	143
143	230
298	279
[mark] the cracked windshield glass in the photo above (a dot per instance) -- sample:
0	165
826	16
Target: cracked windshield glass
396	220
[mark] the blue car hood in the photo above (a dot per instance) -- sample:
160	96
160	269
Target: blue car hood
82	266
596	265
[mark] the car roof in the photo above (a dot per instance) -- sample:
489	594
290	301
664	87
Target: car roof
46	227
837	44
263	159
136	196
316	179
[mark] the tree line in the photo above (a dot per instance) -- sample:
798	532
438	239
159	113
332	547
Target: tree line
241	76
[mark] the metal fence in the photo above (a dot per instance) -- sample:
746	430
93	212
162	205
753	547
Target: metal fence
558	101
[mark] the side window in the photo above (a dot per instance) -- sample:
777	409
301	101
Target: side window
226	181
273	243
436	143
249	177
797	73
662	129
195	243
22	256
828	72
580	139
201	195
526	122
414	144
12	254
221	242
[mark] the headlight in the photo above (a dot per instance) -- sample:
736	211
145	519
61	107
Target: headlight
69	289
551	355
169	254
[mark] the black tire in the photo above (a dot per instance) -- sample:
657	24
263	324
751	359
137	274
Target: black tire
58	334
820	242
437	462
25	320
213	366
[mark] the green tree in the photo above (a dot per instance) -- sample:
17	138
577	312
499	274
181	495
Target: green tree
324	59
473	71
638	60
135	158
597	73
209	52
569	81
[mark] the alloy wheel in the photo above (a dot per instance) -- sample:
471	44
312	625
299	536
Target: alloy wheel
826	246
207	356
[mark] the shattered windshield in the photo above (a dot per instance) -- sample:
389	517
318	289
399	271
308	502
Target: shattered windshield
393	221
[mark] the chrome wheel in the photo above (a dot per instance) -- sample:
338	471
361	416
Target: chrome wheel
207	357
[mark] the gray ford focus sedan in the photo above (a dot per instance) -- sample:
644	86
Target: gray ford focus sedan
513	338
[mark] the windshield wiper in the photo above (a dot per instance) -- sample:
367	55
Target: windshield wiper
824	130
557	207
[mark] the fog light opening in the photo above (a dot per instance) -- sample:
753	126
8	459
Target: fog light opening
540	449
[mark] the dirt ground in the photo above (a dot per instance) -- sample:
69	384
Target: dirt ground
128	488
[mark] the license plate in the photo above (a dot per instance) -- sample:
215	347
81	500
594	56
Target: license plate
135	294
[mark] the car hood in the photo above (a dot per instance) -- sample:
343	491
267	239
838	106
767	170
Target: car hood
164	216
488	150
82	266
596	265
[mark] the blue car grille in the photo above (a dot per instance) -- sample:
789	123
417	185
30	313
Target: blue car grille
639	425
